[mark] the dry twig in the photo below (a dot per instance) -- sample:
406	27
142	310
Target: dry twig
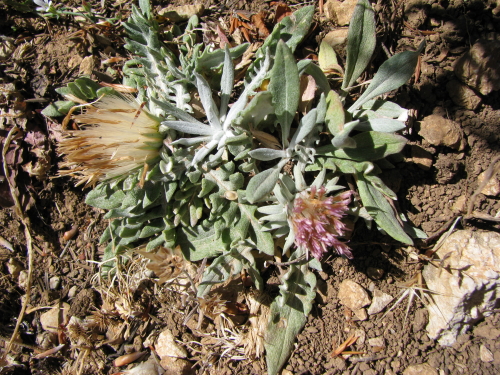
488	174
25	220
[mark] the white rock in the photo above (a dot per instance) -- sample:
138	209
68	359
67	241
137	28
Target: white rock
23	279
485	354
14	267
72	291
377	341
54	282
379	302
361	334
353	295
167	347
172	355
57	315
461	298
145	368
420	369
361	314
492	187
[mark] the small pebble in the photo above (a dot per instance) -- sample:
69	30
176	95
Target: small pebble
374	273
54	282
485	354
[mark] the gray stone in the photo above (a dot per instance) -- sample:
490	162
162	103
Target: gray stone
353	295
485	354
54	282
479	67
380	301
420	369
377	341
467	286
492	187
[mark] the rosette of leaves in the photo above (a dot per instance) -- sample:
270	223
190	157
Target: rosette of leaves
223	187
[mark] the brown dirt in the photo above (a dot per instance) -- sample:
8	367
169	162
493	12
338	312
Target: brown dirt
48	55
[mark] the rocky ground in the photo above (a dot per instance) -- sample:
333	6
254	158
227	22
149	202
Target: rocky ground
377	300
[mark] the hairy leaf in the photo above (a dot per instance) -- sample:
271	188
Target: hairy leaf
392	74
266	154
369	146
285	86
201	242
228	265
335	114
263	183
379	208
288	315
361	40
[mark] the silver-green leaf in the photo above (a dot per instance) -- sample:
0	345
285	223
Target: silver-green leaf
285	86
361	42
392	74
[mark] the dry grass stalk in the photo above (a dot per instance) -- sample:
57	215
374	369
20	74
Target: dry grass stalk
29	241
342	347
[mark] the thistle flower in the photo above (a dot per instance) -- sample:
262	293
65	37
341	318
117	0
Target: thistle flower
316	221
122	136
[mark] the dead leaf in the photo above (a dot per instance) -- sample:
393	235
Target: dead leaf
246	34
181	13
418	69
266	139
118	87
342	347
258	21
282	11
308	91
243	14
223	38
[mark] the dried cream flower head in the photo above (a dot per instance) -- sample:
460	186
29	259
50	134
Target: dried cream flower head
121	136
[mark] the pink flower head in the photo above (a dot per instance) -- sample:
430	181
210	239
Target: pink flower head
316	220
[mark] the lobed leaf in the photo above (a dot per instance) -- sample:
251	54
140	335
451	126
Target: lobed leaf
379	208
289	313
